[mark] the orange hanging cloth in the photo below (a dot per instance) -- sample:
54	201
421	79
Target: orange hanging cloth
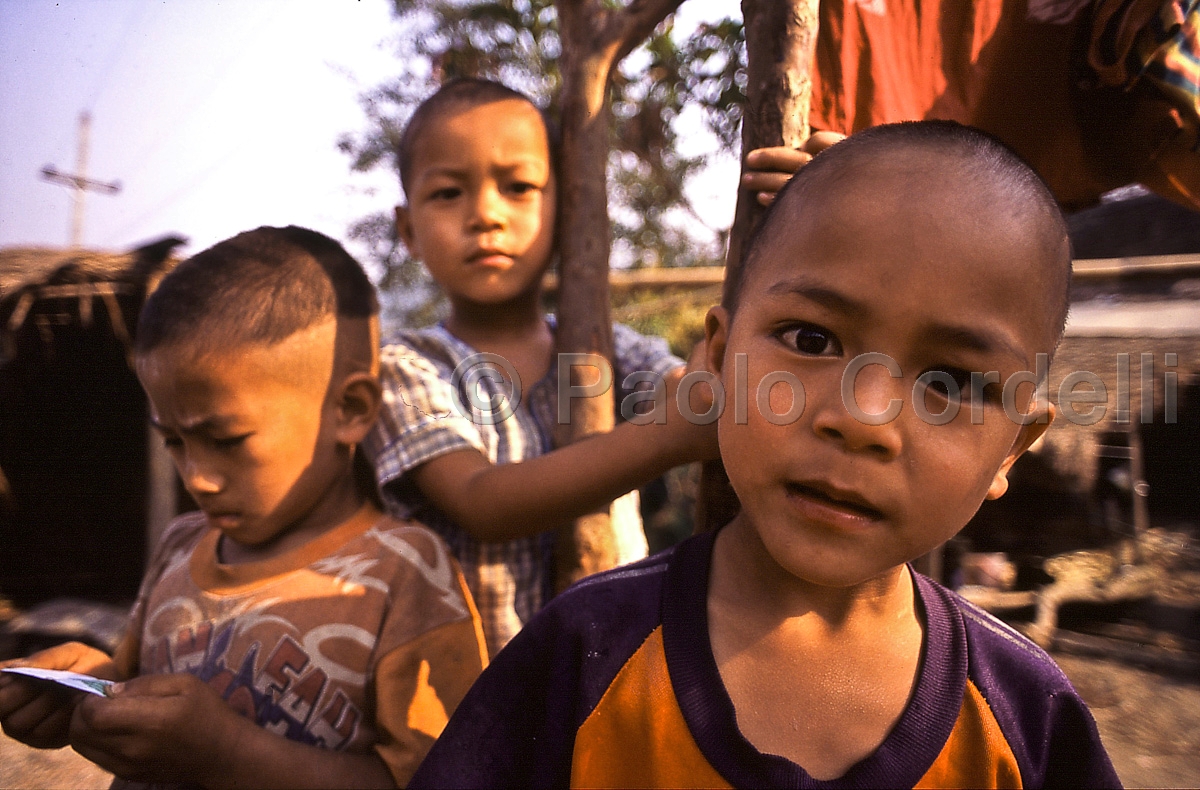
1039	74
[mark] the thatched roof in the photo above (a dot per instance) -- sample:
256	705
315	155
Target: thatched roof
25	267
29	275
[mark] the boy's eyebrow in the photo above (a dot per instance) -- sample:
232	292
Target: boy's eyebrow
208	423
466	170
826	297
442	170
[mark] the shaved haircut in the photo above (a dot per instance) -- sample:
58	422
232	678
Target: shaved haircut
991	165
456	96
261	286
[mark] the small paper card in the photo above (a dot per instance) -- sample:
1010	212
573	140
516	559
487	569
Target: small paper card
72	680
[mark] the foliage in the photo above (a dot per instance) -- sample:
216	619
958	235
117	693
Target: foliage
516	42
676	315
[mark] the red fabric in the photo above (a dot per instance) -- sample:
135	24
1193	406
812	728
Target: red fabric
1008	67
880	61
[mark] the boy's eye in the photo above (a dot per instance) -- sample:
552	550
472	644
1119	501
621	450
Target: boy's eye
172	442
445	193
226	442
811	339
939	387
522	187
987	391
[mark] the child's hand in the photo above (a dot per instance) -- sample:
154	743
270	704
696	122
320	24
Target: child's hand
38	714
176	729
768	169
157	728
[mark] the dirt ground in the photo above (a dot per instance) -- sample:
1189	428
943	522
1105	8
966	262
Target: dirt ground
1150	725
22	767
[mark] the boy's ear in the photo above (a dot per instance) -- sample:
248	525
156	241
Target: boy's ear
404	228
358	406
1029	434
716	335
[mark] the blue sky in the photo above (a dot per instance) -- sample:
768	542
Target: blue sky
215	115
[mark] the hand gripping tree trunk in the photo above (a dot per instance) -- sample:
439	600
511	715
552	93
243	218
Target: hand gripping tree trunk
595	37
780	41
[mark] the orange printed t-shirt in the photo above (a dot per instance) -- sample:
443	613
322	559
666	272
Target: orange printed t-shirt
365	638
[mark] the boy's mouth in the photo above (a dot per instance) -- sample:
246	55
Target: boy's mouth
490	258
846	501
225	520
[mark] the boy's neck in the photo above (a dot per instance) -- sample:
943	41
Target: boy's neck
786	647
486	327
341	504
763	589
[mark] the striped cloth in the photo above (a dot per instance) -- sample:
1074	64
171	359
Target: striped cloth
1155	40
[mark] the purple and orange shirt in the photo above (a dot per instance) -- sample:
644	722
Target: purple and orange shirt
614	684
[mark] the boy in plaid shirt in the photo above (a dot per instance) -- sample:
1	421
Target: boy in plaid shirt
464	452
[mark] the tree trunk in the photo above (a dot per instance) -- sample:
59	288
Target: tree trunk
780	42
594	40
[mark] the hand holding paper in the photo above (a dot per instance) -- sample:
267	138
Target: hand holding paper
70	680
34	710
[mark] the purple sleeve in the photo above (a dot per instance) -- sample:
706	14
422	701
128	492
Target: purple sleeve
1046	723
516	726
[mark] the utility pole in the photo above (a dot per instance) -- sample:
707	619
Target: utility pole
78	181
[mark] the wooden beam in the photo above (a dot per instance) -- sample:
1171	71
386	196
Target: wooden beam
704	276
1139	266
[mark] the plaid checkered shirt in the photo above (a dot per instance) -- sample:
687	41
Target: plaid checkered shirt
428	412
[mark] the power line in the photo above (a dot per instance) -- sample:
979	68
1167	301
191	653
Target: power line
180	193
116	52
181	122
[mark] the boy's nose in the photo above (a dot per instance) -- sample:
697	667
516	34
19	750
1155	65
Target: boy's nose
866	417
199	479
488	214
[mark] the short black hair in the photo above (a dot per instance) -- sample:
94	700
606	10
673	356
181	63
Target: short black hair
261	286
988	157
456	95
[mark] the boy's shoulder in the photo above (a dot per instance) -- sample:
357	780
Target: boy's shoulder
596	624
388	565
999	654
434	349
432	343
389	546
415	550
623	598
523	714
402	558
179	536
1040	716
588	633
634	352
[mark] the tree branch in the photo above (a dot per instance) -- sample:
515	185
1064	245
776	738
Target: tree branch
638	21
594	39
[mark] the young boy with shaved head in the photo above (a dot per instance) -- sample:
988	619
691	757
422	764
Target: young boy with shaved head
288	634
870	352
